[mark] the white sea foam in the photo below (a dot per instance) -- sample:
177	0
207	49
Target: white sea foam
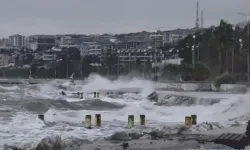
25	127
9	88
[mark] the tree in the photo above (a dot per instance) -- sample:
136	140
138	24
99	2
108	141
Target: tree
217	46
185	46
17	59
246	44
27	59
166	47
86	67
70	62
223	35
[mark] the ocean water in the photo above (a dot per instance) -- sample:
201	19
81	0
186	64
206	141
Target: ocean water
21	104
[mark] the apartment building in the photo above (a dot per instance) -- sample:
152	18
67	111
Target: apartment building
41	42
49	55
143	55
175	37
158	39
17	41
4	42
90	48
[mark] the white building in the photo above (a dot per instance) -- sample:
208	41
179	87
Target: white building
17	40
175	37
68	45
49	55
4	42
90	48
41	42
143	55
158	38
174	61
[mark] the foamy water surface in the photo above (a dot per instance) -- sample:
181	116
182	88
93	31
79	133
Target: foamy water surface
20	105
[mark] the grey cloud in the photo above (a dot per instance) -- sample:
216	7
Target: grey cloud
111	16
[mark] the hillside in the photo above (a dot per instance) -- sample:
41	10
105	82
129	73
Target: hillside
219	49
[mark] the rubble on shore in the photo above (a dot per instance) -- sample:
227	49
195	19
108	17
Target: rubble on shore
176	137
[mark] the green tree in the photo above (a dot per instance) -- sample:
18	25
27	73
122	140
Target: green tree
86	67
223	34
246	46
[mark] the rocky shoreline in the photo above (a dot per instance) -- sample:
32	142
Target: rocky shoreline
181	100
142	138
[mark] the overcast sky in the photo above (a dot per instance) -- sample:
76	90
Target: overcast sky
111	16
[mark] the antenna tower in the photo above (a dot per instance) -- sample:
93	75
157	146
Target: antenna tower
202	20
197	15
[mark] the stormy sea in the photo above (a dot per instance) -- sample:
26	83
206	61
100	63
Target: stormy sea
64	114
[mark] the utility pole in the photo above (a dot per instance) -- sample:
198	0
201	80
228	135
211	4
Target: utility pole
55	72
155	60
118	63
67	71
248	51
202	20
144	64
155	73
197	26
129	63
198	52
193	52
57	61
81	67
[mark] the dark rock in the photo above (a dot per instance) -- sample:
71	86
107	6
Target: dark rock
181	129
41	117
121	136
237	141
156	134
248	130
63	93
135	135
125	145
75	141
50	143
8	147
62	87
145	137
153	96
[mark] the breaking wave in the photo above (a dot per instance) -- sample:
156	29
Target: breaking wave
9	88
95	104
65	113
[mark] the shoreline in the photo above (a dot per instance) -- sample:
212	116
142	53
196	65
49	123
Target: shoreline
155	140
173	142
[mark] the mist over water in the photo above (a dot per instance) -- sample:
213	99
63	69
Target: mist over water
20	105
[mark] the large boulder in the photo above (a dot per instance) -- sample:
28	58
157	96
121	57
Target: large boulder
50	143
153	96
57	143
119	136
248	131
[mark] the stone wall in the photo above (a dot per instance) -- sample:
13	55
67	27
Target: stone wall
203	86
235	88
183	86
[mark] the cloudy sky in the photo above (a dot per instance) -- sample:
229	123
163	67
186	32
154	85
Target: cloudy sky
111	16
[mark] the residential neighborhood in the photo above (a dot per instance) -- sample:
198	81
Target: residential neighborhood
25	51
